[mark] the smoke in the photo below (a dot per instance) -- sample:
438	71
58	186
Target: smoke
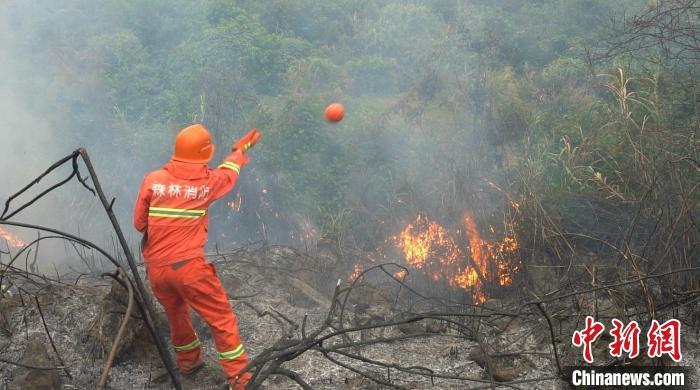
122	77
33	136
28	140
81	75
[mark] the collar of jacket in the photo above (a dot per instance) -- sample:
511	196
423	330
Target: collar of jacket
187	171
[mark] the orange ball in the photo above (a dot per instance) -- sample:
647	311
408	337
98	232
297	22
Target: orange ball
335	112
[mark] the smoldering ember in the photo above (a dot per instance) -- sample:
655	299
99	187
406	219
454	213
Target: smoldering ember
356	194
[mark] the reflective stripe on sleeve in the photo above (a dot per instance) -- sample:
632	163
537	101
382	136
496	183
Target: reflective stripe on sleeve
230	165
232	354
164	212
187	347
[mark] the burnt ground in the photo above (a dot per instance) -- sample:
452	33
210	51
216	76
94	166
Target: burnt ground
273	289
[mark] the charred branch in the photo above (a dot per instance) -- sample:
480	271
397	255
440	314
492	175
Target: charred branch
144	302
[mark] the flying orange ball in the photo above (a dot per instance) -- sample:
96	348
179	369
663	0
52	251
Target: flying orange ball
335	112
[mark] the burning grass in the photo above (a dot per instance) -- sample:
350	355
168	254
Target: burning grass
461	256
11	239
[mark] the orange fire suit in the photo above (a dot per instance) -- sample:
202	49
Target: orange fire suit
171	211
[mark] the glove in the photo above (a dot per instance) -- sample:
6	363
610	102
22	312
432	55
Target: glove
248	141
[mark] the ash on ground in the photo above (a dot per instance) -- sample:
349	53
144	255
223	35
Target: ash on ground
275	291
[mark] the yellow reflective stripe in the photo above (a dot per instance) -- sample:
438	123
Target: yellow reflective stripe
187	347
165	212
231	166
173	216
232	354
184	211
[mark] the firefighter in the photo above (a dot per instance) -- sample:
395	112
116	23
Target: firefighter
171	212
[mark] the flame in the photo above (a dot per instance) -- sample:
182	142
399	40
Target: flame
358	268
515	205
442	254
424	241
356	271
11	239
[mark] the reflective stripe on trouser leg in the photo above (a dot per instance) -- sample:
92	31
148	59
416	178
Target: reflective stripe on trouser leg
181	330
231	354
208	297
189	356
187	347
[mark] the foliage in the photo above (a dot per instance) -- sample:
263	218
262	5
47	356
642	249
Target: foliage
441	96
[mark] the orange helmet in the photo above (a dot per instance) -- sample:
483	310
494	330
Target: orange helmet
193	144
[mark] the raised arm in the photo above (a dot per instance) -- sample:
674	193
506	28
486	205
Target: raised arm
224	177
